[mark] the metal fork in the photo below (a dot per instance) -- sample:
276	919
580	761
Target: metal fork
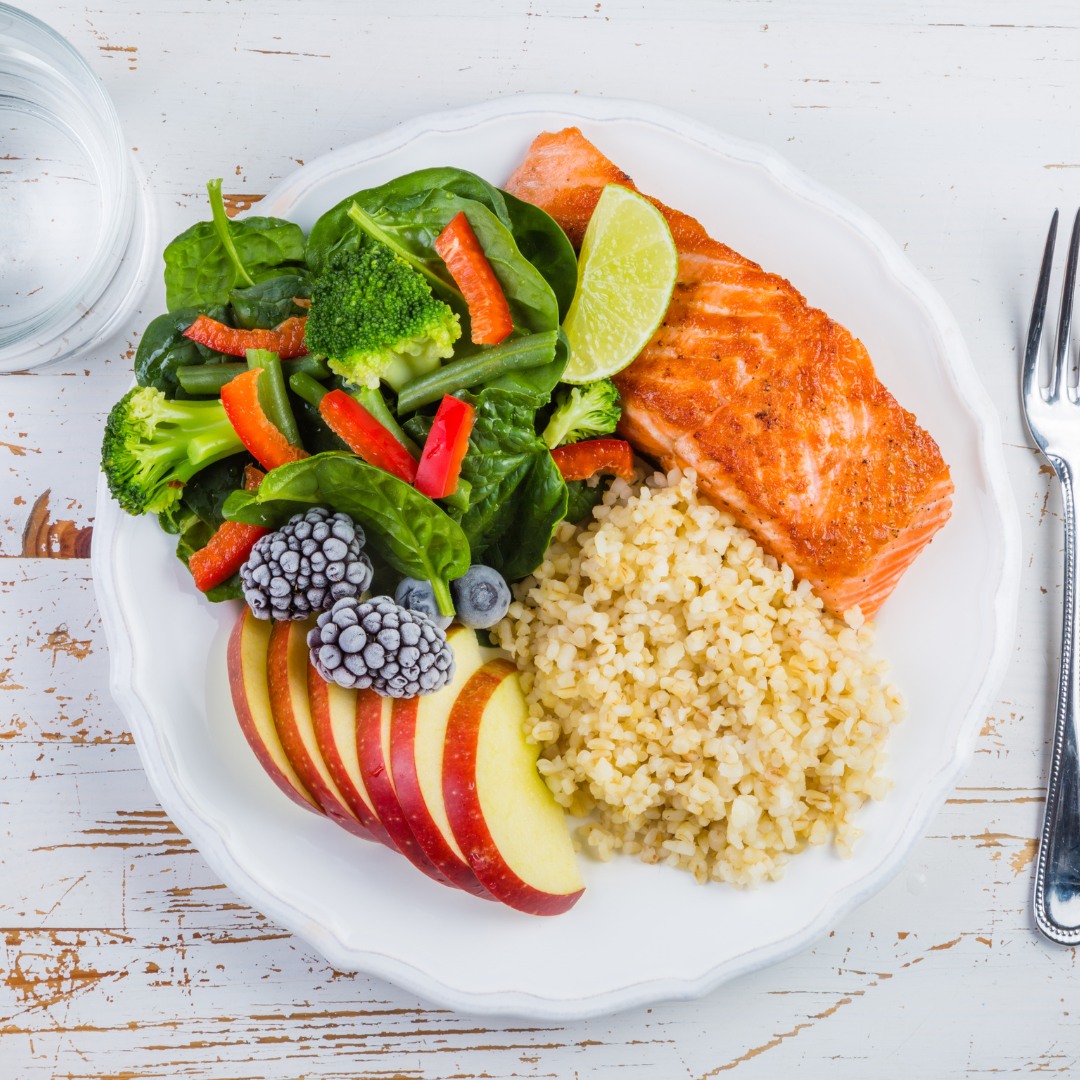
1053	418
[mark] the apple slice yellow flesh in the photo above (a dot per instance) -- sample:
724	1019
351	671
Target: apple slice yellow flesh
417	735
504	818
417	739
373	715
247	653
288	666
333	712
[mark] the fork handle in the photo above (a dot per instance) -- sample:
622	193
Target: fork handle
1057	872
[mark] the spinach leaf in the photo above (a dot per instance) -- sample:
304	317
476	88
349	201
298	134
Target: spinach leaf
205	493
581	498
315	434
163	348
224	232
194	535
403	527
516	494
532	303
399	198
268	303
546	246
196	517
200	272
413	209
540	501
174	519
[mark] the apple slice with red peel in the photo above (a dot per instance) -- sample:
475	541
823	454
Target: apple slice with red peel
333	711
288	666
417	736
504	817
373	717
249	645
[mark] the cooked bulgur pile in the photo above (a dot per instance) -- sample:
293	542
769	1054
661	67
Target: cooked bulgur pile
690	699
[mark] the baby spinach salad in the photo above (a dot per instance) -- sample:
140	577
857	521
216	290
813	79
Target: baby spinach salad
400	364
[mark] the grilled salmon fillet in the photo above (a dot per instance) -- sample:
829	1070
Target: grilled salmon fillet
775	406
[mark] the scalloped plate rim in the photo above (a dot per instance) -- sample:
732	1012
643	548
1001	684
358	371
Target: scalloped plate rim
518	1002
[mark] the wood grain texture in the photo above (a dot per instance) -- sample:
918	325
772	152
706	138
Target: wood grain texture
953	124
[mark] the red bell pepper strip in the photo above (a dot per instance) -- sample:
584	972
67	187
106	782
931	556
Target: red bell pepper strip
440	462
240	397
228	549
253	477
364	435
286	339
581	460
489	313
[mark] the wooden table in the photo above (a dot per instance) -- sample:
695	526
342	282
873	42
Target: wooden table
951	123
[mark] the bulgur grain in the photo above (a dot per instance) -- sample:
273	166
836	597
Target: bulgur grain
689	697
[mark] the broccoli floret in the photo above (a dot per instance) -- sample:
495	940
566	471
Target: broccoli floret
153	446
587	412
374	317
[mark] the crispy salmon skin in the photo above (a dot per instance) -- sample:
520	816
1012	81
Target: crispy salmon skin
774	405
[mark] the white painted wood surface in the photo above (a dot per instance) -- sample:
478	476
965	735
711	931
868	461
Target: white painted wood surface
954	125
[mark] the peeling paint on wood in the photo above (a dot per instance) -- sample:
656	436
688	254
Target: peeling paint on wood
46	539
237	204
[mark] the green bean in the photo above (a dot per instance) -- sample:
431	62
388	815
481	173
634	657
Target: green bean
205	380
306	388
273	397
315	366
373	401
515	355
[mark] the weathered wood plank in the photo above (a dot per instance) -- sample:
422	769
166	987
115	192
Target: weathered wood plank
124	956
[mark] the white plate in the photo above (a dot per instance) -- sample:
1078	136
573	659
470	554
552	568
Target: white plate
640	934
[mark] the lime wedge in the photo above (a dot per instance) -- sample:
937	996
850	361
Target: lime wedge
626	274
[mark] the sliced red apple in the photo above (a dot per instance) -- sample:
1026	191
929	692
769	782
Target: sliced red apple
247	665
373	714
504	818
333	711
417	735
288	665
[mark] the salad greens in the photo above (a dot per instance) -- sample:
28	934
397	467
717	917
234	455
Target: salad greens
490	367
153	446
546	246
516	494
582	496
374	318
255	274
164	348
539	239
405	528
584	412
271	301
207	261
412	233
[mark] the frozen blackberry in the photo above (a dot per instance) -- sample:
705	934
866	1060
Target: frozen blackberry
396	652
305	566
418	595
481	597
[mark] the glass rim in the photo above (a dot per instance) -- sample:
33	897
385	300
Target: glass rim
96	295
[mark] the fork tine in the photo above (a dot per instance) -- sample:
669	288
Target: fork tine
1059	374
1029	381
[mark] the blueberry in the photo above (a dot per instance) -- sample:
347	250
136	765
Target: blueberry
417	595
481	597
